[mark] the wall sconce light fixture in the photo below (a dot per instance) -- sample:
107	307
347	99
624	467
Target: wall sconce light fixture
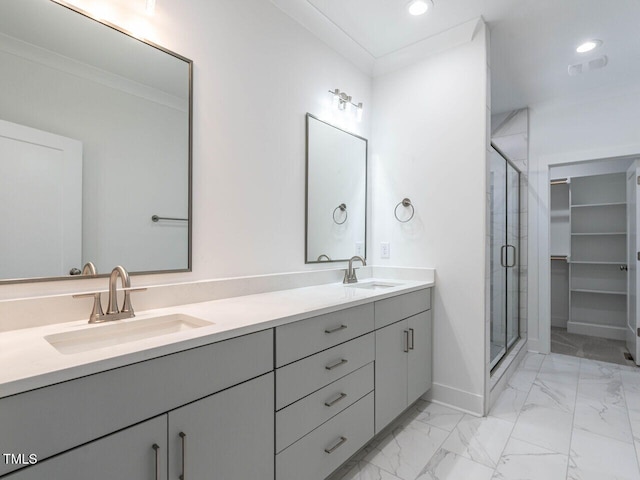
344	101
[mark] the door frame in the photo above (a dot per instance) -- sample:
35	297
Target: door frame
539	265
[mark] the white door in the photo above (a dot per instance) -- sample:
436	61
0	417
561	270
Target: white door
632	262
40	203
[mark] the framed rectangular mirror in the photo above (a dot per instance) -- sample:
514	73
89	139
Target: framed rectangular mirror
95	147
336	223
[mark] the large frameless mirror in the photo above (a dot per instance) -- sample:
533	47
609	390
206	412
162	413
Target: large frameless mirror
95	147
336	193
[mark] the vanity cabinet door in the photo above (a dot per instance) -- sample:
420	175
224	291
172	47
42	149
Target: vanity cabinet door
403	366
128	454
391	372
226	436
420	355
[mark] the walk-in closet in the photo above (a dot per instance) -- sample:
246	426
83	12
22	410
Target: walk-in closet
589	260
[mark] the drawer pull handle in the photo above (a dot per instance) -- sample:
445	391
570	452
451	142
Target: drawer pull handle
337	364
336	329
411	338
183	436
406	340
335	400
336	446
156	447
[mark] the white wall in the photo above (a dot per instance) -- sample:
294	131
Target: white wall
603	126
429	143
256	73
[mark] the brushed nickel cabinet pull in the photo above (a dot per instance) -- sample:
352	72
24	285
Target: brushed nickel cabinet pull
183	436
336	446
337	364
411	338
406	340
335	400
336	329
156	447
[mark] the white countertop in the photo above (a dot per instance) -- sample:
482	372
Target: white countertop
29	361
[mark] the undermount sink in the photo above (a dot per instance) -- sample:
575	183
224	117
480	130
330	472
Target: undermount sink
117	332
374	285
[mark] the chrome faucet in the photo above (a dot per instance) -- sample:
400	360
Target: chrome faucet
350	273
113	312
112	308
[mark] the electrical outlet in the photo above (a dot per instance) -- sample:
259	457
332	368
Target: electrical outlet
360	249
385	251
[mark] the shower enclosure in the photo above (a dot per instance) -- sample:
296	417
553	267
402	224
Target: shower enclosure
504	188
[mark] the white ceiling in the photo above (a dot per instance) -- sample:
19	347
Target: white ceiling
384	26
532	41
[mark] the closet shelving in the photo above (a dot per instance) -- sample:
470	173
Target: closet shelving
598	246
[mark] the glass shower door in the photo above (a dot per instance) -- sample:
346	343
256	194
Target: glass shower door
512	264
504	257
498	220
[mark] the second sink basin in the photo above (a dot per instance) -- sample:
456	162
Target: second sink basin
115	333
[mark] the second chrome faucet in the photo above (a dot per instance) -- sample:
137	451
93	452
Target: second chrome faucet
350	273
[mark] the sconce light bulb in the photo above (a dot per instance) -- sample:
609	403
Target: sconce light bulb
359	112
151	7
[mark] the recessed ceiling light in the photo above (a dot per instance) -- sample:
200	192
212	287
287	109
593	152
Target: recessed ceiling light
588	46
419	7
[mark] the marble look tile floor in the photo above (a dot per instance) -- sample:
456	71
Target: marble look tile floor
559	418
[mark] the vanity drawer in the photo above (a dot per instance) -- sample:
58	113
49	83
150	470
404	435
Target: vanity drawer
343	435
306	414
392	309
306	337
301	378
56	418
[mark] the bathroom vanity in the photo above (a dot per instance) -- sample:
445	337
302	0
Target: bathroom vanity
284	385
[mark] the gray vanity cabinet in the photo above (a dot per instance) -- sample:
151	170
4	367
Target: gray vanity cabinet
420	355
221	394
226	436
128	454
403	366
391	373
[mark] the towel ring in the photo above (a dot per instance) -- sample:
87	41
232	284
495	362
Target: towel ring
405	203
324	256
343	208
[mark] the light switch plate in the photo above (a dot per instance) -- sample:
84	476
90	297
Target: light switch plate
385	250
360	249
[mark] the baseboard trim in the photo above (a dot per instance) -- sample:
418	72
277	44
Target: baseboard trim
560	322
602	331
468	402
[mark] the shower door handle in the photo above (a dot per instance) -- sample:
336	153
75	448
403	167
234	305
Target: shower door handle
511	265
502	250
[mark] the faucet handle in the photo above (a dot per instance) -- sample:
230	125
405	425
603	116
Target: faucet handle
97	313
126	304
